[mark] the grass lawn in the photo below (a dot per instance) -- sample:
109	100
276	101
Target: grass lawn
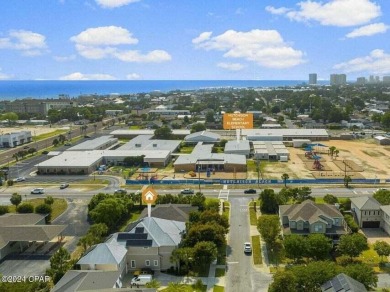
251	165
48	135
92	181
370	257
256	250
58	207
134	127
184	288
252	214
226	212
186	149
134	216
218	289
276	254
219	272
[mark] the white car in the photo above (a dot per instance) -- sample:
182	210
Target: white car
247	247
19	179
38	191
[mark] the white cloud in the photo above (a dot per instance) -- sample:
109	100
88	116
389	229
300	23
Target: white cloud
104	36
202	37
377	62
133	76
277	11
231	66
27	42
114	3
64	58
81	76
333	12
368	30
265	47
4	76
103	42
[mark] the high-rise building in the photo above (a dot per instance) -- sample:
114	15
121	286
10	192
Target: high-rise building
313	78
338	79
386	79
361	80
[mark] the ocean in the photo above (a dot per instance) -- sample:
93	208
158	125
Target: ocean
10	90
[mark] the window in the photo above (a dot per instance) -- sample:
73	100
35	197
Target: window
147	263
336	221
155	262
132	263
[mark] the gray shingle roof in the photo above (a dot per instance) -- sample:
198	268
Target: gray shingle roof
177	212
86	280
366	203
20	219
202	136
309	211
343	283
104	253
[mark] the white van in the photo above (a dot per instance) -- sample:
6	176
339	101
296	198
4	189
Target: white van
38	191
141	280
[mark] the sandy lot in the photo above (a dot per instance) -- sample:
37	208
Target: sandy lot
35	130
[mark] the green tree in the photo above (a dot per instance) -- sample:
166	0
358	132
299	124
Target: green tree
382	248
198	127
362	273
382	196
318	246
295	246
210	117
311	276
268	202
285	177
61	138
55	142
96	199
330	199
110	212
10	117
44	209
205	232
331	150
283	281
205	252
176	287
25	208
182	255
49	200
347	180
3	210
16	199
269	228
385	120
31	151
352	245
198	200
163	133
98	231
59	264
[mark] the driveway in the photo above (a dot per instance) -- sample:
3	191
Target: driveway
241	274
76	217
375	234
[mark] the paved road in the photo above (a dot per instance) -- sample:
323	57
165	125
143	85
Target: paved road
241	275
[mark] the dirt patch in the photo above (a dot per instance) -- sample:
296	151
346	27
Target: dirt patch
348	165
336	174
320	167
35	130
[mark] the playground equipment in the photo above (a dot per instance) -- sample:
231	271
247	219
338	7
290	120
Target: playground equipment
317	164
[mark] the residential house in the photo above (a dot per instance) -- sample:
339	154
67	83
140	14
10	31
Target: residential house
308	218
343	283
386	218
87	281
150	243
176	212
105	257
367	212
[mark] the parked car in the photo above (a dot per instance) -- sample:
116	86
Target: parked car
247	247
250	191
64	186
120	191
187	192
141	280
19	179
38	191
68	144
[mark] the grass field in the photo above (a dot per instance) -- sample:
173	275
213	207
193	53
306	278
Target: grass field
58	207
134	216
219	272
48	135
256	250
253	214
218	289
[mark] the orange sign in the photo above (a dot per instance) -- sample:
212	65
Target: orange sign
149	195
237	121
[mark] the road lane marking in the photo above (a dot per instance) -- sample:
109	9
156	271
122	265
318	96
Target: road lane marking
355	192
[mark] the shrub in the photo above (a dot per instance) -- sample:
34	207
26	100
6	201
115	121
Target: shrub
10	182
351	223
3	210
44	209
25	208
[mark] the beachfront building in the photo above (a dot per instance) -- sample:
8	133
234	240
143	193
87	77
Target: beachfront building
38	106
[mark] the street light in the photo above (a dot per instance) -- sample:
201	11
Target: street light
198	168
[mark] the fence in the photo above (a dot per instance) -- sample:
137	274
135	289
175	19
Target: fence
250	181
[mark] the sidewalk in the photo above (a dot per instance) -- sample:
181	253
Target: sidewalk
212	280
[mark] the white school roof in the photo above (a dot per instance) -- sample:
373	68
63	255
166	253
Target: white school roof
285	132
94	143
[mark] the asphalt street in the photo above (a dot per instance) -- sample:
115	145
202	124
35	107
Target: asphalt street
241	275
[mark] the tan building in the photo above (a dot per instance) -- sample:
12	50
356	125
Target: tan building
38	106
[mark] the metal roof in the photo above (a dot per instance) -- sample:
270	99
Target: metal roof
94	143
234	145
145	142
202	136
104	253
285	132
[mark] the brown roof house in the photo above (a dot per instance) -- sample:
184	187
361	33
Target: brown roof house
308	217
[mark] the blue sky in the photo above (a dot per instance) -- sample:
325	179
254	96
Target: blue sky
204	39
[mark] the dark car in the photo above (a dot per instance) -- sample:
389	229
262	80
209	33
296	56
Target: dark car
250	191
120	191
87	136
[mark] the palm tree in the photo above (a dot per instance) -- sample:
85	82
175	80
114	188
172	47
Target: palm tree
332	149
347	180
336	153
285	177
